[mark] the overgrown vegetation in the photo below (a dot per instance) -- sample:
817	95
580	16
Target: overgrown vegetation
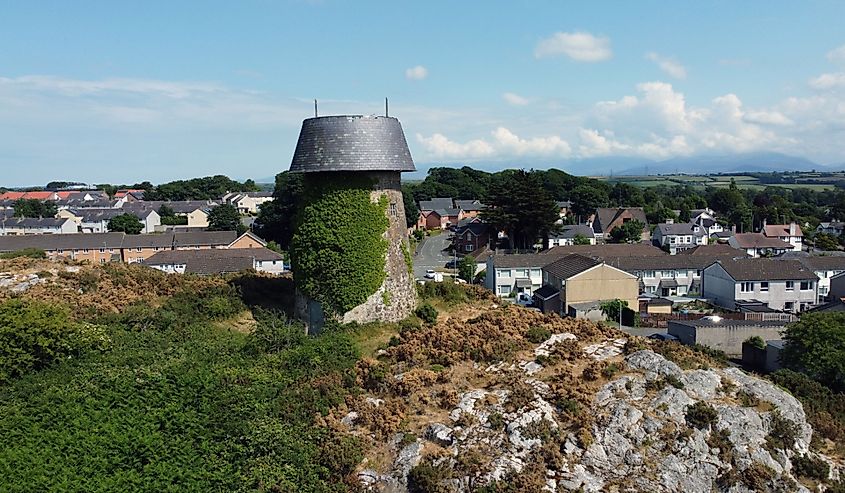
338	250
175	401
701	415
825	409
816	346
35	253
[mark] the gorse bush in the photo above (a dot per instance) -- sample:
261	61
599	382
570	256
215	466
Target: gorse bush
701	415
34	334
26	252
427	314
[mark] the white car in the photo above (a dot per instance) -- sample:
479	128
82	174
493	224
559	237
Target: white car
429	274
524	299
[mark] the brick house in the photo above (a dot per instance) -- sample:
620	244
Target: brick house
609	218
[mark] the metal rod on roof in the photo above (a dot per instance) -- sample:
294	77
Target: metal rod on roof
385	107
315	108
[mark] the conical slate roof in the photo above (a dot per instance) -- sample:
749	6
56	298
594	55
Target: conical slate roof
351	143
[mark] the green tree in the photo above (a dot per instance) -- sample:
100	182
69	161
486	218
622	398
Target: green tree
126	223
825	241
412	212
610	309
630	232
519	205
586	199
276	220
816	346
581	240
224	217
166	211
35	208
466	268
684	215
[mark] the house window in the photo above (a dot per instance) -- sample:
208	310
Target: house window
746	287
764	286
790	285
806	285
102	250
394	211
789	306
681	273
469	247
522	273
138	249
648	274
61	252
102	261
535	272
84	250
667	273
651	289
505	273
504	290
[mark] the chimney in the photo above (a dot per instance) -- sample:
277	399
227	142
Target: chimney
764	223
733	229
793	229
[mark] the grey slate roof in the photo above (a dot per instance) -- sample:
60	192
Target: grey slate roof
204	238
570	232
33	222
436	203
759	240
570	265
351	143
678	229
214	261
546	292
469	205
704	323
763	269
74	241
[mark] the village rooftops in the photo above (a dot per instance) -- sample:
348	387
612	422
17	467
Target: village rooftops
714	249
777	230
351	143
759	240
761	269
679	229
437	203
570	232
214	261
570	265
204	238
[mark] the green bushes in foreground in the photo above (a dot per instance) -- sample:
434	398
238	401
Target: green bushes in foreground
182	403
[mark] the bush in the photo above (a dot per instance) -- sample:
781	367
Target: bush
34	334
810	467
701	415
427	314
429	478
610	370
275	332
538	335
816	346
756	341
26	252
825	409
782	432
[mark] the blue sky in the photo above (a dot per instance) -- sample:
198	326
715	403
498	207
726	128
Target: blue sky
127	91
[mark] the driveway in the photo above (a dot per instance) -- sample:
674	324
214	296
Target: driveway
430	254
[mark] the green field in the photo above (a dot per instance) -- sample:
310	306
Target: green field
745	182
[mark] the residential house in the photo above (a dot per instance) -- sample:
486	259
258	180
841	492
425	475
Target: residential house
97	220
825	267
834	228
568	234
471	235
137	248
203	240
36	226
759	245
675	237
34	195
609	218
438	213
522	273
247	202
788	233
784	285
469	208
95	248
129	195
667	275
581	284
218	261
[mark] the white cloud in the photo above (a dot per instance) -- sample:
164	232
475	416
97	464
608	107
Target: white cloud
579	46
668	65
503	143
767	118
515	99
416	73
837	55
828	81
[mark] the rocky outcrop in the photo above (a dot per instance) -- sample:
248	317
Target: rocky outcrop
600	415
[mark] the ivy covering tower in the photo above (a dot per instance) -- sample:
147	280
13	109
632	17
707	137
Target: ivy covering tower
350	254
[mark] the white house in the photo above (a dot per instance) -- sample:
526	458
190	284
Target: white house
759	245
97	220
568	235
675	237
248	202
825	267
779	285
36	226
217	261
834	228
508	275
788	233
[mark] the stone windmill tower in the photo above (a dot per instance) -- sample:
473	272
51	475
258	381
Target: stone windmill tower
365	155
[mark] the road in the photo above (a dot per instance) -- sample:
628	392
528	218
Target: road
430	254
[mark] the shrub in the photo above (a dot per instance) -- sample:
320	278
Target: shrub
782	432
538	334
810	467
429	478
746	399
496	421
825	409
816	346
427	314
26	252
610	370
275	332
701	415
34	334
756	341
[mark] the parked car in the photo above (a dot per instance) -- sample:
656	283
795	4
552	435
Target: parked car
524	299
429	274
452	264
663	337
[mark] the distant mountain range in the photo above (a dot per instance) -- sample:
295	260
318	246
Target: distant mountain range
758	162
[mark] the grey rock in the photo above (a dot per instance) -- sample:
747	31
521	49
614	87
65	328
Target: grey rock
407	458
439	434
653	364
